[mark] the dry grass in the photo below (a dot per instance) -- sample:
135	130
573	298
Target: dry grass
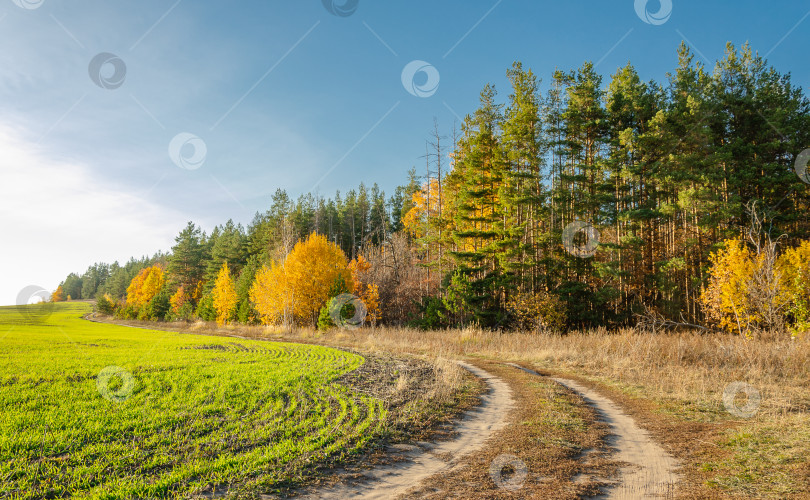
673	383
678	367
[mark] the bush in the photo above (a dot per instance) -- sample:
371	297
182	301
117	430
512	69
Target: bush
246	313
794	269
105	304
184	313
537	312
126	311
752	291
158	308
205	309
325	321
433	314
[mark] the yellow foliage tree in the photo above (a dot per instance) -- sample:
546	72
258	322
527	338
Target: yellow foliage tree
299	287
198	291
369	293
178	299
755	291
58	295
725	298
425	208
145	286
371	298
794	268
271	295
224	294
358	267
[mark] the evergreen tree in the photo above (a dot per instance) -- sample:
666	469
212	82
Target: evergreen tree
523	193
228	246
187	261
478	234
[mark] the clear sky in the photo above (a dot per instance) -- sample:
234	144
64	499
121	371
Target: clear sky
120	121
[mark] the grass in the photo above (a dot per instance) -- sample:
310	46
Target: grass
172	415
672	383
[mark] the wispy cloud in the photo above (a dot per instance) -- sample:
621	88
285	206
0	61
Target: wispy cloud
57	217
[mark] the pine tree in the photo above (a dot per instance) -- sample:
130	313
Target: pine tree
477	181
579	190
186	264
523	194
228	246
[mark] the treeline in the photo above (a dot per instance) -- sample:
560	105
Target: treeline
660	173
357	222
663	172
110	279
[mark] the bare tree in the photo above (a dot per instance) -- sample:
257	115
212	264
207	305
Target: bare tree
767	309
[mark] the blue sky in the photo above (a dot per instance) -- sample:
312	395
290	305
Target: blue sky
281	94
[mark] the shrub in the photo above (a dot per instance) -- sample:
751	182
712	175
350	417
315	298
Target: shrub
205	309
105	304
246	313
754	291
127	311
794	267
159	307
537	312
325	319
183	313
433	315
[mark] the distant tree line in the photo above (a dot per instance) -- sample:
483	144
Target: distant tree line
661	174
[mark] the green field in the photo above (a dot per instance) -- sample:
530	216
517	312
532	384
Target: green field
93	410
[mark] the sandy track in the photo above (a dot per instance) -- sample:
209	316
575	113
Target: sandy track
650	472
477	425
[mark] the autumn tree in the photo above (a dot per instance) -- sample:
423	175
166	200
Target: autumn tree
224	295
272	296
368	292
145	286
726	298
147	297
794	268
178	300
751	288
58	295
297	288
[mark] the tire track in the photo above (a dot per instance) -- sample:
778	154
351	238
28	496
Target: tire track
650	472
477	425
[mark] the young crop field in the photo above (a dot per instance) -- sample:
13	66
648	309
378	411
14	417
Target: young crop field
94	410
